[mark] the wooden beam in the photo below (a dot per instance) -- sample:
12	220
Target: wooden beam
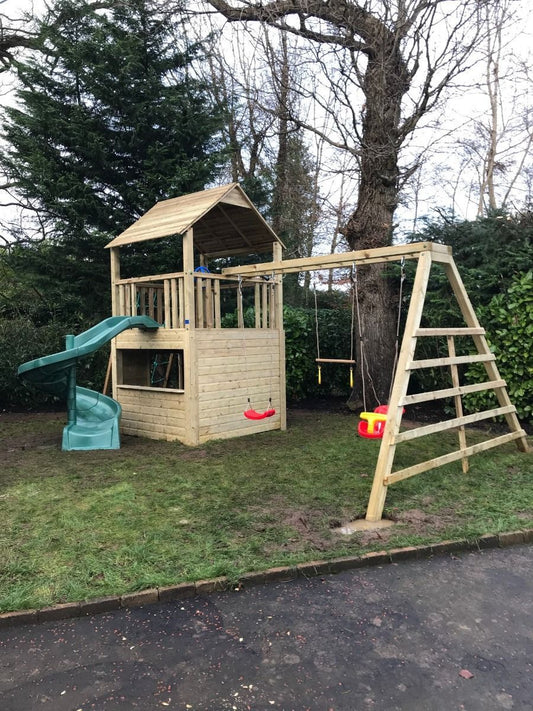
329	261
450	331
456	360
453	457
277	256
454	372
335	360
376	502
452	392
451	424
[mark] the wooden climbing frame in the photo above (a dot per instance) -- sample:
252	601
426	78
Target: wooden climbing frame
426	254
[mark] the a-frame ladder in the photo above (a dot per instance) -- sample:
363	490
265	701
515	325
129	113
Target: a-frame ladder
384	475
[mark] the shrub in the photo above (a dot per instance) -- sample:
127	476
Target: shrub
508	320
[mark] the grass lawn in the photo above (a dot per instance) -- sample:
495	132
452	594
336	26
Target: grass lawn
77	525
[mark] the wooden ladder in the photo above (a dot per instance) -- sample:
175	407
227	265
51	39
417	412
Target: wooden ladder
384	475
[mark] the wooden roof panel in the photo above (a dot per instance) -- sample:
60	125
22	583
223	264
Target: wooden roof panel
222	217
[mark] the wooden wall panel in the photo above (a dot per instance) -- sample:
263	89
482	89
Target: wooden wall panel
156	415
234	365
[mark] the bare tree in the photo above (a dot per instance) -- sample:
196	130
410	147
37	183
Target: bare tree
388	63
502	138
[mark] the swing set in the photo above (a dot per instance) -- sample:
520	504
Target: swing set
385	422
372	424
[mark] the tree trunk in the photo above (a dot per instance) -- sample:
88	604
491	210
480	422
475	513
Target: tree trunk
371	224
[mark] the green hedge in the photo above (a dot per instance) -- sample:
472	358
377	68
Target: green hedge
508	320
20	341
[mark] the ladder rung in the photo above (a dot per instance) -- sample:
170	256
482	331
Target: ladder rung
459	331
456	360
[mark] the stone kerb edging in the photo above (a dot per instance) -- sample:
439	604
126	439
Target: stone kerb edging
310	569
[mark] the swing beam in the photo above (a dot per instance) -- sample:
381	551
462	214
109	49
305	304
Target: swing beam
426	253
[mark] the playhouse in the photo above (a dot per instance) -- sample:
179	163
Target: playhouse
192	379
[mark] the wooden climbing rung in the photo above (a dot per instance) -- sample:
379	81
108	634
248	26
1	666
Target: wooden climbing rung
335	360
460	331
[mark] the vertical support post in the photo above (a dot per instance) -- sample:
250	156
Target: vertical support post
114	255
482	346
257	305
458	401
71	385
218	316
166	301
188	276
190	364
387	450
277	255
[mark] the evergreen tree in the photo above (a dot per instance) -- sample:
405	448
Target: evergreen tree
109	120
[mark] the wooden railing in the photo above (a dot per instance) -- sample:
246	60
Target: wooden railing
162	297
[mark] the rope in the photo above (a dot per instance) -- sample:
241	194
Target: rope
360	332
398	320
317	334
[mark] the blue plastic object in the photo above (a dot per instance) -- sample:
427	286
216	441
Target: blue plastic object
93	418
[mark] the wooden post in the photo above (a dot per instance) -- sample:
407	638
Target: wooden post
117	309
458	401
387	450
190	365
188	276
257	305
114	254
482	346
277	255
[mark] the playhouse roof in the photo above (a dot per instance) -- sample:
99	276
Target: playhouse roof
225	222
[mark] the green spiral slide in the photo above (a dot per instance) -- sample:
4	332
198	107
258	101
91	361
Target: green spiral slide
93	418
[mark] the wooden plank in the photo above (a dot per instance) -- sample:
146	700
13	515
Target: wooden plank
181	302
189	312
155	278
210	320
166	301
114	257
218	315
453	457
451	392
459	331
199	303
174	312
121	301
257	305
149	388
250	428
378	494
264	305
458	401
277	256
328	261
457	360
335	360
451	424
133	300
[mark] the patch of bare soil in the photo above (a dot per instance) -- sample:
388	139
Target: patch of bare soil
304	522
13	440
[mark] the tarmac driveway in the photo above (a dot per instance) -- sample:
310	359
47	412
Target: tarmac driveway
446	633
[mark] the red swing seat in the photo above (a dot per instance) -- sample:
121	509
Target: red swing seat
254	415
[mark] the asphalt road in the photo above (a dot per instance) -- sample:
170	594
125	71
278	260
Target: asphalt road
398	637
